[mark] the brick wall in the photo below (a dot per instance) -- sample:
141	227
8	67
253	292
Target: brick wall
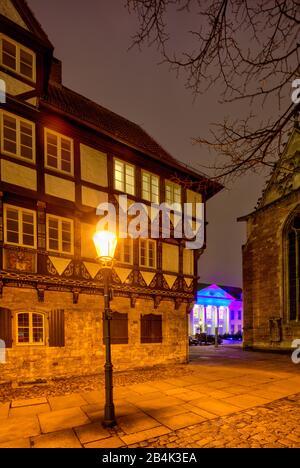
263	274
84	350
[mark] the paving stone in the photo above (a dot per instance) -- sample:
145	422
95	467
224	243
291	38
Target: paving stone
200	412
28	402
145	435
18	428
168	411
218	407
142	388
25	411
4	410
59	439
91	432
163	402
162	385
136	422
181	420
189	395
94	397
147	396
16	444
62	419
111	442
67	401
246	401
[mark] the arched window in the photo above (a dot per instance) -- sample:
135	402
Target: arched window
293	267
30	328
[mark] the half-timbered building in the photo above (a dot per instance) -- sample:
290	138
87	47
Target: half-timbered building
62	155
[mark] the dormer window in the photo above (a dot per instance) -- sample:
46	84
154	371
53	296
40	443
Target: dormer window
18	58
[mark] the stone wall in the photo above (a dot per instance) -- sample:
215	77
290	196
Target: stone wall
263	277
84	351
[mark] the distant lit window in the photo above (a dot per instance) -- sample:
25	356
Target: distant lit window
59	234
173	192
18	58
124	177
30	329
208	313
19	226
232	315
150	187
58	152
17	137
124	251
239	315
147	253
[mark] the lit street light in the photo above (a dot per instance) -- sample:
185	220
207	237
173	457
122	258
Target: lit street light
106	243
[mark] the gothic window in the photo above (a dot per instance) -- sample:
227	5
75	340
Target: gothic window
293	268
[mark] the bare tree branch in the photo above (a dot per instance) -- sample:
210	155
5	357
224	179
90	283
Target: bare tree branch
251	50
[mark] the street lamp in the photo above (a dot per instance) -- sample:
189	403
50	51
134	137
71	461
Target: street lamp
105	244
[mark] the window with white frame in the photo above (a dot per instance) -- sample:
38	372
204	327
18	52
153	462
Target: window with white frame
124	177
18	58
59	154
17	136
59	234
124	251
147	253
19	226
150	187
173	192
30	328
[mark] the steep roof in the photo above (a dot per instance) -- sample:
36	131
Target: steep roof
119	128
29	20
284	178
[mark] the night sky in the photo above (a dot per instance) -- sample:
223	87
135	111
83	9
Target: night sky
92	38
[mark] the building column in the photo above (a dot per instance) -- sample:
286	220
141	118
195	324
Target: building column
227	320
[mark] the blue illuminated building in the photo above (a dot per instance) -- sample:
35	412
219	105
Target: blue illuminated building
217	306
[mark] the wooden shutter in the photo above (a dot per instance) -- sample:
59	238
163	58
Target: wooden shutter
6	326
57	328
118	328
151	328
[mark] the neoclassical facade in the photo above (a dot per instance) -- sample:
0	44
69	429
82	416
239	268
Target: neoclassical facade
217	307
271	257
60	156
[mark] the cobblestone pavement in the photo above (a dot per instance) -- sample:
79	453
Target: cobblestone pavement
63	386
223	398
275	425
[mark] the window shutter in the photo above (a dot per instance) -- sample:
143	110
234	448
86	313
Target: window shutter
57	328
118	328
151	328
6	326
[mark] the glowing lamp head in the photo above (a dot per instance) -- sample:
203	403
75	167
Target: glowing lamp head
105	243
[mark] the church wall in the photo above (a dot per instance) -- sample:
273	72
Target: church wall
263	278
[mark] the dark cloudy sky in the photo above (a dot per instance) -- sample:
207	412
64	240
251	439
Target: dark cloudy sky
92	37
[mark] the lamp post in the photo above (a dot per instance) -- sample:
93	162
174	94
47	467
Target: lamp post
106	243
